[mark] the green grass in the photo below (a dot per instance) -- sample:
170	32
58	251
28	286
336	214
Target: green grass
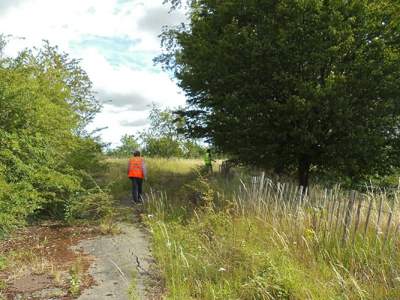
219	257
210	242
132	287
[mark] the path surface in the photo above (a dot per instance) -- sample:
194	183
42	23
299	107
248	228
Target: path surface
119	260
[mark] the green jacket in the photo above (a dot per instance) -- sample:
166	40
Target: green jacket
207	159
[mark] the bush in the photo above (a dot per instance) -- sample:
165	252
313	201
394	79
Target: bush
46	101
162	147
93	204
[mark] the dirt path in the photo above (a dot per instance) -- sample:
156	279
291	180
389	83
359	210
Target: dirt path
121	267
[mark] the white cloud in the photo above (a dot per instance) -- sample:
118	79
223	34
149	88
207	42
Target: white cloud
116	40
63	21
134	89
116	127
155	18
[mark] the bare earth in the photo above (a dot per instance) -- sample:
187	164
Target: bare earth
119	261
116	266
43	258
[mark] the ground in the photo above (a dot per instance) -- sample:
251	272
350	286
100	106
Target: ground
52	261
41	263
121	265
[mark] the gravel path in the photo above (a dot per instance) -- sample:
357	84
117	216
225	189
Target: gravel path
119	260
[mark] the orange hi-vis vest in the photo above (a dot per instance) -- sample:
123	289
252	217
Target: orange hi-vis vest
136	168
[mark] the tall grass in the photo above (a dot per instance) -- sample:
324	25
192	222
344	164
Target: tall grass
336	216
354	232
165	175
253	238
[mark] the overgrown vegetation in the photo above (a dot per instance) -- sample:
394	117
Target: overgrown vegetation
290	86
46	157
250	238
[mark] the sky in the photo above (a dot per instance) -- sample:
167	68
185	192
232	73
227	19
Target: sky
116	41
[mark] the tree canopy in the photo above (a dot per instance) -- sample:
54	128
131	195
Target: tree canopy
292	84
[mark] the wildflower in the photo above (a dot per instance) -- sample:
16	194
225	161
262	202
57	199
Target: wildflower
150	216
221	269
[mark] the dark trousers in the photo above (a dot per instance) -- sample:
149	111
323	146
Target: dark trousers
137	185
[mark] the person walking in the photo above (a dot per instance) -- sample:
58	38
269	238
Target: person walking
137	173
208	161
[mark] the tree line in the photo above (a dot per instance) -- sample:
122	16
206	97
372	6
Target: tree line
165	137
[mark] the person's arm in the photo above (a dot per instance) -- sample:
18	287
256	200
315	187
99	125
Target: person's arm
129	166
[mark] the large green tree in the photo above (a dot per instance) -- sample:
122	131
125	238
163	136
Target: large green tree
292	84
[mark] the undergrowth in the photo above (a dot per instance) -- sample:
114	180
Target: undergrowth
208	246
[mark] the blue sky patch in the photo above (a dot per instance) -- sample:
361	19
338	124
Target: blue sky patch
118	51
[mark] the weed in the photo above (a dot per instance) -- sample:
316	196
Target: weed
58	277
75	273
108	226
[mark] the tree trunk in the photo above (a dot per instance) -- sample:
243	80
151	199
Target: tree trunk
304	171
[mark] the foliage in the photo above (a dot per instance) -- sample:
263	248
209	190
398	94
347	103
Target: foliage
162	147
76	273
45	101
192	149
94	204
163	138
128	144
292	84
163	123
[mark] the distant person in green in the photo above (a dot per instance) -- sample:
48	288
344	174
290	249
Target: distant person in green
208	161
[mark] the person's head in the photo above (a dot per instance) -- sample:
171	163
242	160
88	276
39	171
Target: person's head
136	153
